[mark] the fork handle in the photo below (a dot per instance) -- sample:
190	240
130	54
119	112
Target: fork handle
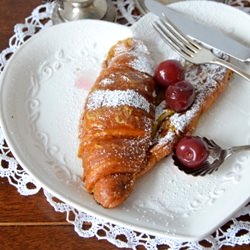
240	148
236	149
233	67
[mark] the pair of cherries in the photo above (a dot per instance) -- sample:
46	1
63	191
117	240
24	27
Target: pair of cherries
190	151
180	93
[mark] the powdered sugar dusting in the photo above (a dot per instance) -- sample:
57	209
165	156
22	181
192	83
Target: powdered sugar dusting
115	98
106	81
167	138
180	121
125	78
205	79
142	62
160	109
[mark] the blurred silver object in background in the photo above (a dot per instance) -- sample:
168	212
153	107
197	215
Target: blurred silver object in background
140	4
72	10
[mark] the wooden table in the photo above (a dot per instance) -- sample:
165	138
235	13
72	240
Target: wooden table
31	222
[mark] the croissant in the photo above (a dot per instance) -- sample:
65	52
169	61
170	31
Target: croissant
116	126
122	133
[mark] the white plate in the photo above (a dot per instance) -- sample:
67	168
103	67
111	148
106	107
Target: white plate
41	102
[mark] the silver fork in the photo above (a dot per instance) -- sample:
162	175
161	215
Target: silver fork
191	50
217	156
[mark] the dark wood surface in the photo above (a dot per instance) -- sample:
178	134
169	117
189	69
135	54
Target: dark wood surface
30	222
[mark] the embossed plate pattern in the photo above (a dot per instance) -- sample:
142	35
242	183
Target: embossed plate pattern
42	96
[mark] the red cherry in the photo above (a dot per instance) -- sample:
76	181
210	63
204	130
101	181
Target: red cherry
180	96
192	151
169	72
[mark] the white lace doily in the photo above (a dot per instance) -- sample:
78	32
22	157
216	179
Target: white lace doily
235	232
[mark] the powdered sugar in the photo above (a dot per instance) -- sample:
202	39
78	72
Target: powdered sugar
115	98
205	79
160	109
167	138
125	78
106	81
142	60
180	121
142	64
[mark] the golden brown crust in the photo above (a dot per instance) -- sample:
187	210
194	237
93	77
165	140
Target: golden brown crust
115	137
112	190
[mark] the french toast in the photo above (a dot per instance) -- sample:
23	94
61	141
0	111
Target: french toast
123	131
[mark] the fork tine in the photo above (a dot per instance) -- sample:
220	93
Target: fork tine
166	37
188	43
172	40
